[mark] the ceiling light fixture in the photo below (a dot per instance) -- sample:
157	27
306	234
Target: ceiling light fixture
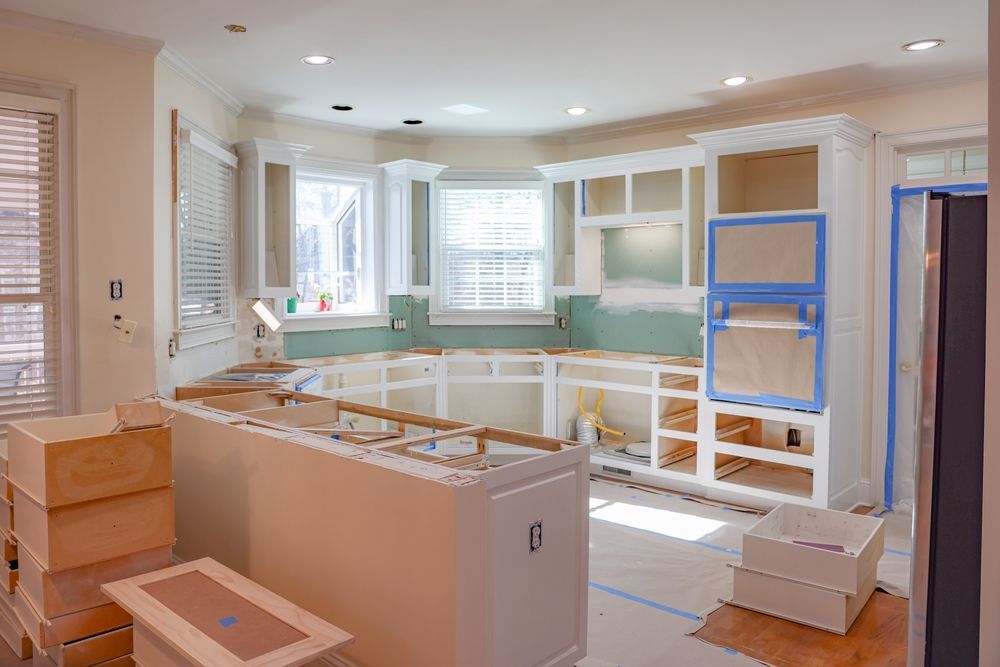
342	107
235	27
577	111
413	121
922	44
317	60
737	80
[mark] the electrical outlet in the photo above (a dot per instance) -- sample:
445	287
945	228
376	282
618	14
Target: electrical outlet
127	331
535	537
563	322
117	288
260	331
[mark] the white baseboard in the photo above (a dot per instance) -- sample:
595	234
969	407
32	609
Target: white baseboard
865	493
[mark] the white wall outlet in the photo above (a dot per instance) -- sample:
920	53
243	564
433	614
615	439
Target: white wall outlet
127	331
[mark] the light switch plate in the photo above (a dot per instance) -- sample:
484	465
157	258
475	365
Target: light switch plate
127	331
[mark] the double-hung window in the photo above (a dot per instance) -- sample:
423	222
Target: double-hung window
205	237
492	250
334	247
29	267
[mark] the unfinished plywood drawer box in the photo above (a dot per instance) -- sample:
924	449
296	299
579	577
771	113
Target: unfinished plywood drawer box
91	651
46	632
802	603
770	547
76	589
11	630
69	460
8	575
97	530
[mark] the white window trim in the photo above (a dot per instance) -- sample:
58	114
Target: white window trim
438	317
60	98
369	177
191	337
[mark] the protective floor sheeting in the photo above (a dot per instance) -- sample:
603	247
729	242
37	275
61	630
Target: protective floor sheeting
658	563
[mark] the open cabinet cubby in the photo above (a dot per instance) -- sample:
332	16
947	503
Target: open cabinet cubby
564	233
771	477
603	196
775	180
678	414
654	191
678	455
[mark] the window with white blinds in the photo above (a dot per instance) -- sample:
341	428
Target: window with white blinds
492	247
206	290
29	263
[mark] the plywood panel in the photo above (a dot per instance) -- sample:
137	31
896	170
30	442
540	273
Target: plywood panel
68	628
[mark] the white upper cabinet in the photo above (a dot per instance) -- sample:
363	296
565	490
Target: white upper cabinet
410	209
267	191
592	202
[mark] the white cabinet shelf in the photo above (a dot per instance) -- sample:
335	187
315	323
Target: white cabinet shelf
267	190
651	188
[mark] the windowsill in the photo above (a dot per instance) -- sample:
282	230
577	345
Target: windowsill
333	321
185	339
492	319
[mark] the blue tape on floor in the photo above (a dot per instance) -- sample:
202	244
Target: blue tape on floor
644	601
898	552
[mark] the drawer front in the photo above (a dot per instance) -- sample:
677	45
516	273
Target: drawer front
766	350
780	254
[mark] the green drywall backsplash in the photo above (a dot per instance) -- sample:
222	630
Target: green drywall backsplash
637	330
591	326
643	256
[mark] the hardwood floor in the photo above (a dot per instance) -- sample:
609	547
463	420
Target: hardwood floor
877	638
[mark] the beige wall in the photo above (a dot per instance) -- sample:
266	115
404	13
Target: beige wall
989	638
113	136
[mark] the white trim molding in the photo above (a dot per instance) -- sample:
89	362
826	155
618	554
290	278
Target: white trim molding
492	319
185	339
887	150
193	75
338	322
119	40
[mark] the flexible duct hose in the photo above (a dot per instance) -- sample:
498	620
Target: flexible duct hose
594	420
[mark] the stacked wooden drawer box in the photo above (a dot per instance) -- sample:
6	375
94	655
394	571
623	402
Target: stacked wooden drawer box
93	502
813	566
11	630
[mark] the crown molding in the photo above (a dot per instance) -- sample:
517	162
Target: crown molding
690	155
193	75
687	119
118	40
839	125
255	113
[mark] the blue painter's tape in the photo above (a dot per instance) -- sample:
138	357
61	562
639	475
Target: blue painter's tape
817	329
816	286
227	621
649	603
898	552
305	383
897	193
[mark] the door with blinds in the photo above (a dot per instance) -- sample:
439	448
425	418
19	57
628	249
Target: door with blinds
29	262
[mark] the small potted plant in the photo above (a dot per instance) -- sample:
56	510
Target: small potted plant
325	300
292	305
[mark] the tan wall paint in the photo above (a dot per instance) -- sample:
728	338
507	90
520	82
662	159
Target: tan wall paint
113	135
172	91
989	638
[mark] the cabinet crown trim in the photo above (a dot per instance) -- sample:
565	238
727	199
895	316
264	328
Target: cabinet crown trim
839	125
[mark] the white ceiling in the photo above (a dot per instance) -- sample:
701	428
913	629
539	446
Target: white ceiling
527	60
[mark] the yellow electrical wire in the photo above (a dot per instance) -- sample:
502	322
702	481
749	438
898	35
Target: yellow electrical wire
595	418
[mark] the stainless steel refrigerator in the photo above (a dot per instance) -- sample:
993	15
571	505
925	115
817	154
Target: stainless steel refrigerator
947	518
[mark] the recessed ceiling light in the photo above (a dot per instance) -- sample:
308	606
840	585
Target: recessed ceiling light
342	107
922	45
317	60
412	121
465	109
235	27
577	111
737	80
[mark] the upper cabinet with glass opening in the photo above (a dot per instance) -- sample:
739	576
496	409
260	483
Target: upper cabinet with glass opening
660	188
410	209
267	191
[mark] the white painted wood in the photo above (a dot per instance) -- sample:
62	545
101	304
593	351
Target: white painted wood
588	228
768	546
254	156
794	601
399	178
